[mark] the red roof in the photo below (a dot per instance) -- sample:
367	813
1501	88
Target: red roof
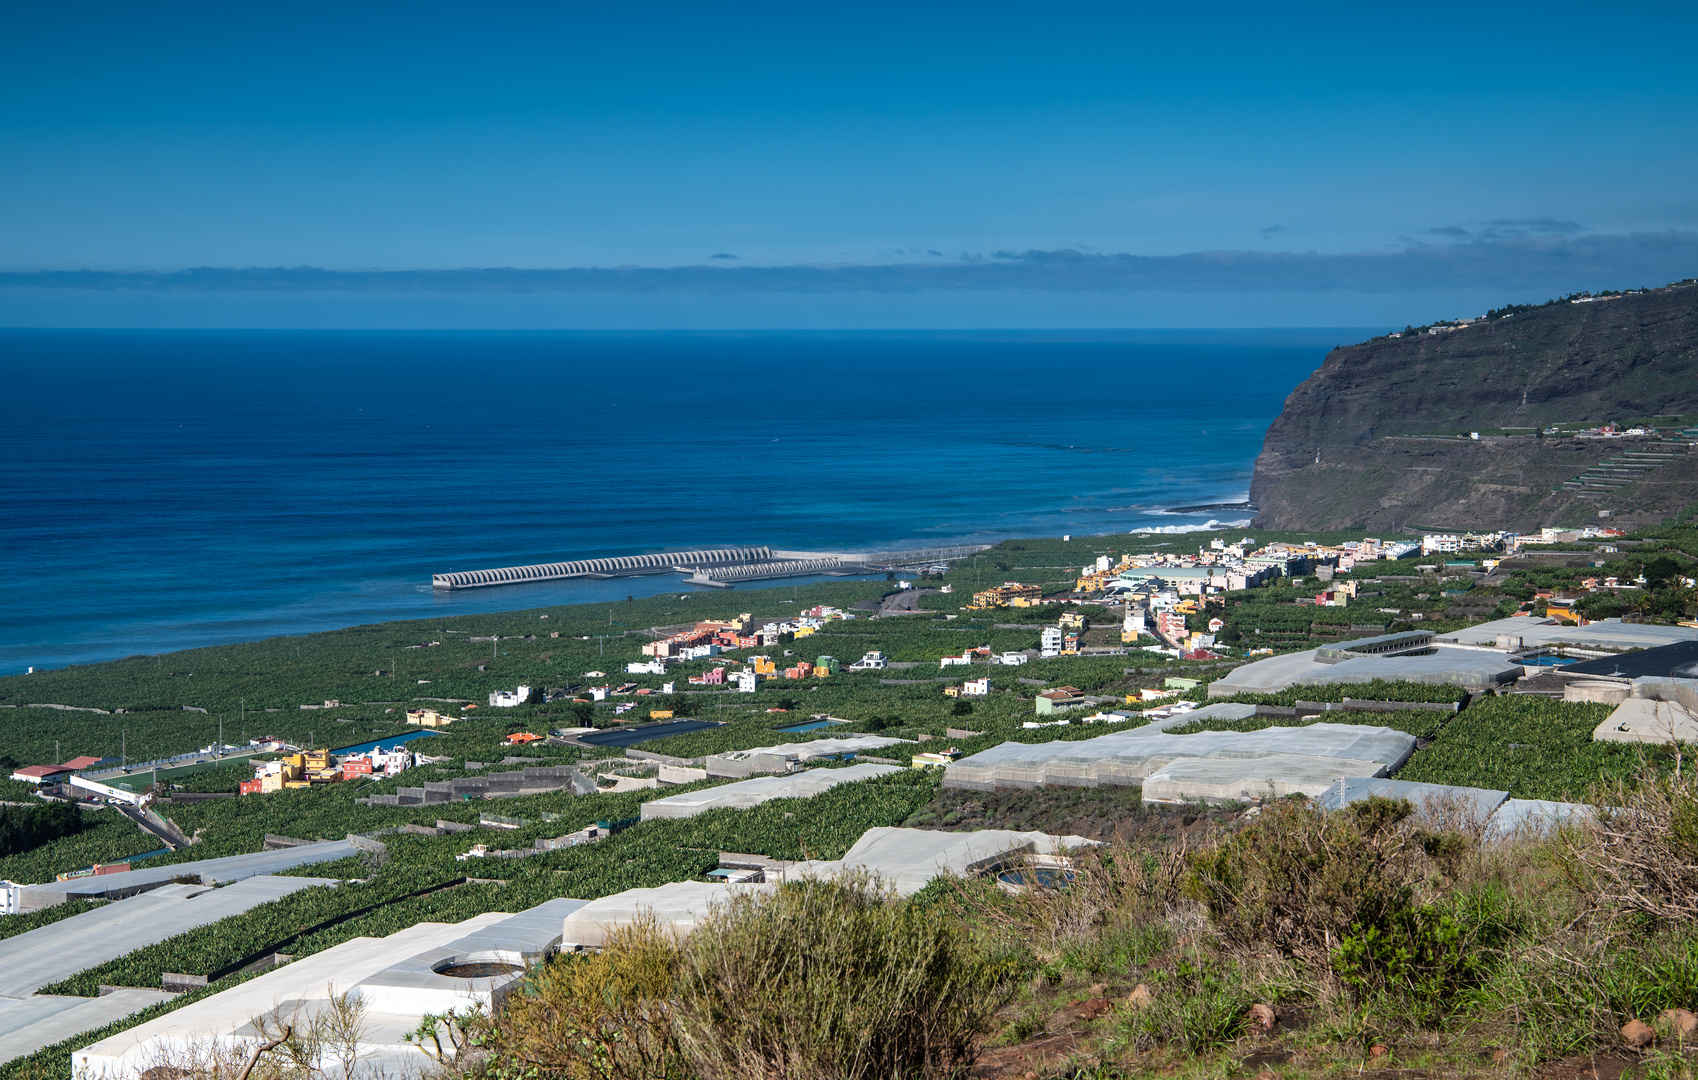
39	772
80	763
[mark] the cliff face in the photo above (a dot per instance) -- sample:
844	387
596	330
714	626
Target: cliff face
1383	417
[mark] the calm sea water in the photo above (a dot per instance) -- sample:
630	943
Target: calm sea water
163	490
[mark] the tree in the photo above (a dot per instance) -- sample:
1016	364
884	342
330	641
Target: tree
1660	570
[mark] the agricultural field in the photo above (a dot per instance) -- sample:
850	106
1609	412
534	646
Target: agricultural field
643	855
157	706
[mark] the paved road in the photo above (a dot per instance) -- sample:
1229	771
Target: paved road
903	602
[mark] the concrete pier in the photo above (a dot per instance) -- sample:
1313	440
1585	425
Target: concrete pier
621	566
716	566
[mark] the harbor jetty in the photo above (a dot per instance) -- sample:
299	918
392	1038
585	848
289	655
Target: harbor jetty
717	566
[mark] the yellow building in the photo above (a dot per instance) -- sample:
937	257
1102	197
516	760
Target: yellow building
1009	594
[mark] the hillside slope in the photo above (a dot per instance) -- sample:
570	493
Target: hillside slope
1389	420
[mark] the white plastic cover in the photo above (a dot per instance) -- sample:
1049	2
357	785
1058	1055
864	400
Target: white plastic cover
906	860
1271	777
752	792
678	906
1123	759
817	748
1451	667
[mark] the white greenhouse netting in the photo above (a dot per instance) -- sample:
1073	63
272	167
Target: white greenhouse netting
1220	710
1474	804
746	793
1272	777
1122	759
1605	633
906	860
817	748
1451	667
678	907
1533	817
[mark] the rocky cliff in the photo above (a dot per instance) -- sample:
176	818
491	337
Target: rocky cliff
1379	436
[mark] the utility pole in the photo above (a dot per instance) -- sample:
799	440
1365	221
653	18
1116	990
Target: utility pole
124	754
220	735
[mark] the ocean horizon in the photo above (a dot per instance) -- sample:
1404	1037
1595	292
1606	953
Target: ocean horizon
175	489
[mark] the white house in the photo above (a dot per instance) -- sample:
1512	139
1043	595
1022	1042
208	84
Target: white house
507	699
1049	643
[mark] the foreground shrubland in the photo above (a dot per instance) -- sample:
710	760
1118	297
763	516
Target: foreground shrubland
1385	939
1384	935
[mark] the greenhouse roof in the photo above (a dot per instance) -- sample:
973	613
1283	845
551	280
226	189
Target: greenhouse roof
678	906
1454	667
28	1024
752	792
396	977
218	871
906	860
47	954
1643	720
1605	633
817	748
1476	804
1271	777
1127	758
1220	710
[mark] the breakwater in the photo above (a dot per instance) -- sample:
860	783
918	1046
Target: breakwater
619	566
718	567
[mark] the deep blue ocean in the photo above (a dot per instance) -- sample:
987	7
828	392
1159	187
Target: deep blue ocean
164	489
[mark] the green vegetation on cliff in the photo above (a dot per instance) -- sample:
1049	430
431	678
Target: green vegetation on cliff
1381	436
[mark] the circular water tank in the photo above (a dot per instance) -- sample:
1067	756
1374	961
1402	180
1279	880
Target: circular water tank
1608	693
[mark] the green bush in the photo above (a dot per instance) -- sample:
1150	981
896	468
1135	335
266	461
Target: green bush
1299	879
816	980
830	980
1431	954
1199	1005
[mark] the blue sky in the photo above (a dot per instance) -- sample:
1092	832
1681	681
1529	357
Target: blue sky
982	165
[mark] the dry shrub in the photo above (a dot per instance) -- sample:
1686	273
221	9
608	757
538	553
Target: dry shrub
1115	911
1637	855
811	981
1349	895
831	980
1299	878
596	1016
323	1042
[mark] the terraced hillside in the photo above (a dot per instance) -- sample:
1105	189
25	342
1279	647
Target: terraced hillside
1382	436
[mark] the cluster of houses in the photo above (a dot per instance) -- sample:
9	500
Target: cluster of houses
708	639
308	768
1509	542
